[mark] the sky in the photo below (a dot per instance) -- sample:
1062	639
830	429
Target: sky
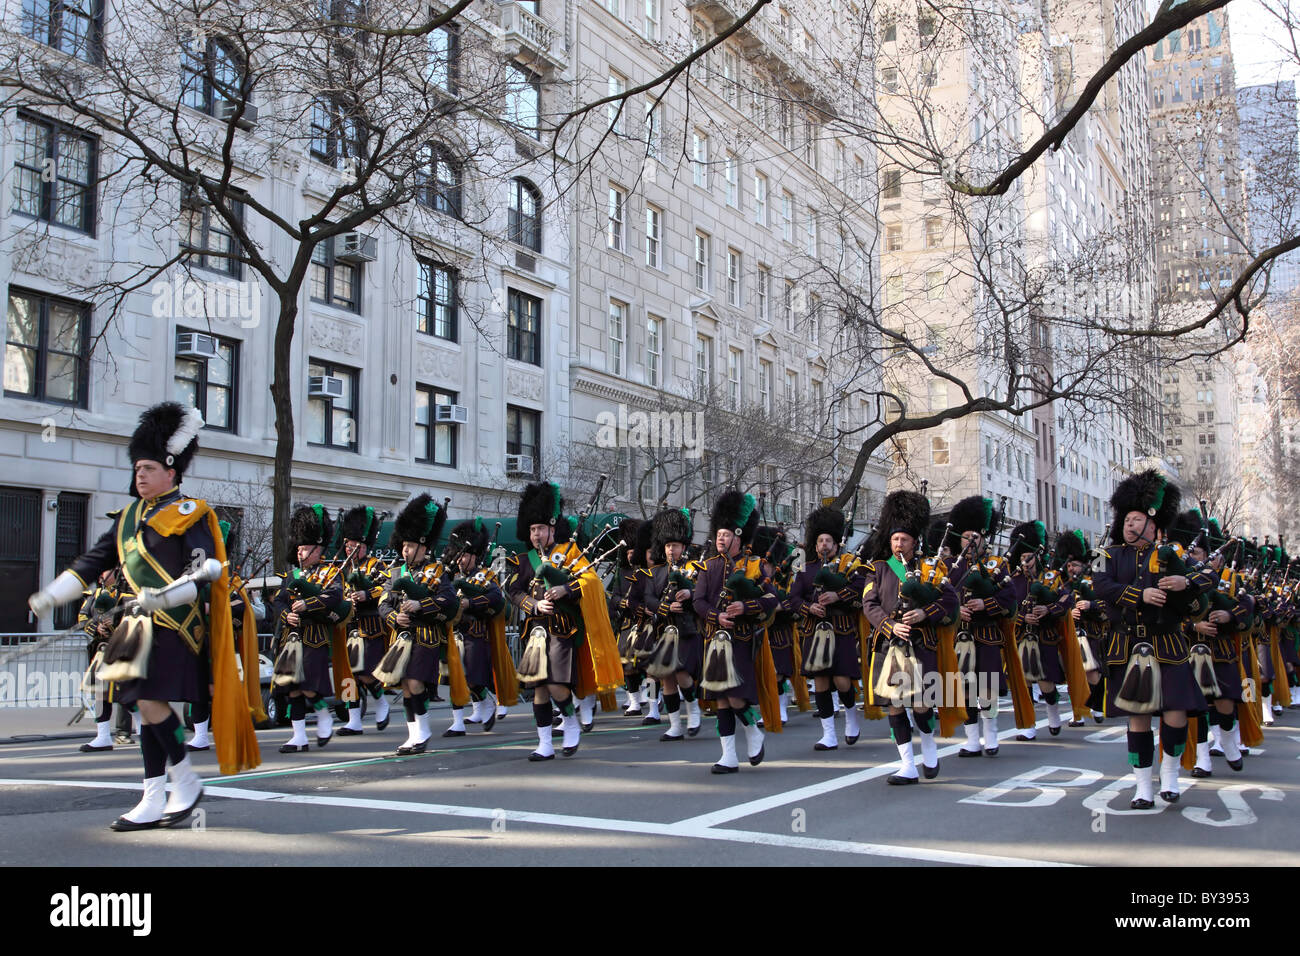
1255	36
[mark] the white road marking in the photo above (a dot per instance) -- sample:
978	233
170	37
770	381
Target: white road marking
1044	794
667	830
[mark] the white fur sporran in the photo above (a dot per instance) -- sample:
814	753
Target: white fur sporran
626	638
1139	691
1202	661
126	656
720	672
1031	658
1085	651
820	654
392	666
288	668
90	680
965	648
534	663
899	676
356	651
663	659
643	643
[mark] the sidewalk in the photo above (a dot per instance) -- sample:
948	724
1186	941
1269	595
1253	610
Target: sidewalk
26	724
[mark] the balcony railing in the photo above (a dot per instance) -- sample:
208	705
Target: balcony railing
537	41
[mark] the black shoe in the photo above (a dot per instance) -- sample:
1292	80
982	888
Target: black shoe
990	751
1076	723
1236	765
1168	796
556	721
472	720
1216	752
1098	720
819	746
757	759
490	722
1198	772
1245	751
1136	804
180	816
436	699
535	757
570	751
294	748
1025	738
1054	731
123	825
898	781
692	731
90	749
322	741
651	722
970	753
851	740
345	732
930	772
190	747
405	751
632	713
719	768
453	733
586	728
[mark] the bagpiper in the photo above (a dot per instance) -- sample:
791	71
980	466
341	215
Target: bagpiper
1147	592
667	590
417	605
1072	553
625	612
97	619
782	638
827	598
161	642
364	579
906	611
480	627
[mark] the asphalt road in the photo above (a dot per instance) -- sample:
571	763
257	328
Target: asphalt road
626	799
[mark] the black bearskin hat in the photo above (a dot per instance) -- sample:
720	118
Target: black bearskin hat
1186	527
309	524
974	514
627	534
905	511
473	535
768	539
736	512
1026	537
419	519
1070	546
671	524
934	537
823	521
540	503
644	541
361	524
1149	492
168	434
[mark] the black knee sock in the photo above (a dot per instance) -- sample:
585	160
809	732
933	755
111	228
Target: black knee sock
1203	729
105	711
155	758
825	704
1173	740
171	738
672	703
420	702
1051	696
924	720
297	708
542	714
900	729
972	715
747	715
1228	721
376	690
1266	688
849	697
1141	748
1097	697
726	721
631	684
566	706
687	693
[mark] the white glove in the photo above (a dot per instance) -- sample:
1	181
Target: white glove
63	589
160	599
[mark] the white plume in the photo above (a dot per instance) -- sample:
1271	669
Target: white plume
188	431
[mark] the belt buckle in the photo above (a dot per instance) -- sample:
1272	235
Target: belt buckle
1141	632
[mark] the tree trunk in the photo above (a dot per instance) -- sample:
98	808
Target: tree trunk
282	398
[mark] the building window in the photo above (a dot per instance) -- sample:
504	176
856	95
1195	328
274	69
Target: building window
733	277
444	57
523	435
54	174
614	108
435	442
210	384
731	169
614	228
46	348
889	79
617	335
438	308
338	134
702	262
764	284
438	180
893	238
703	363
652	127
525	219
332	419
524	328
787	216
765	386
333	282
760	199
810	242
74	27
209	238
787	304
735	383
933	232
892	184
893	290
934	284
700	159
791	394
652	19
653	227
211	74
524	100
654	347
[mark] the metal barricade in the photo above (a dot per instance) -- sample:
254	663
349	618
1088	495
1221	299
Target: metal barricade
42	670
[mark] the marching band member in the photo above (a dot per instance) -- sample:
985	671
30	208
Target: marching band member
644	560
1041	601
733	600
364	586
625	612
666	595
1146	599
779	566
905	614
481	625
155	541
97	618
417	605
827	595
983	583
312	605
1073	553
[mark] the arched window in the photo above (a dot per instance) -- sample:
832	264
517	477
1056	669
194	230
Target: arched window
525	214
439	178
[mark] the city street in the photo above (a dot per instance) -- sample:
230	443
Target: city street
626	799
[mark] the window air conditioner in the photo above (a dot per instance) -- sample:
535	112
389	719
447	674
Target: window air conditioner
325	386
519	464
196	345
354	247
451	414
